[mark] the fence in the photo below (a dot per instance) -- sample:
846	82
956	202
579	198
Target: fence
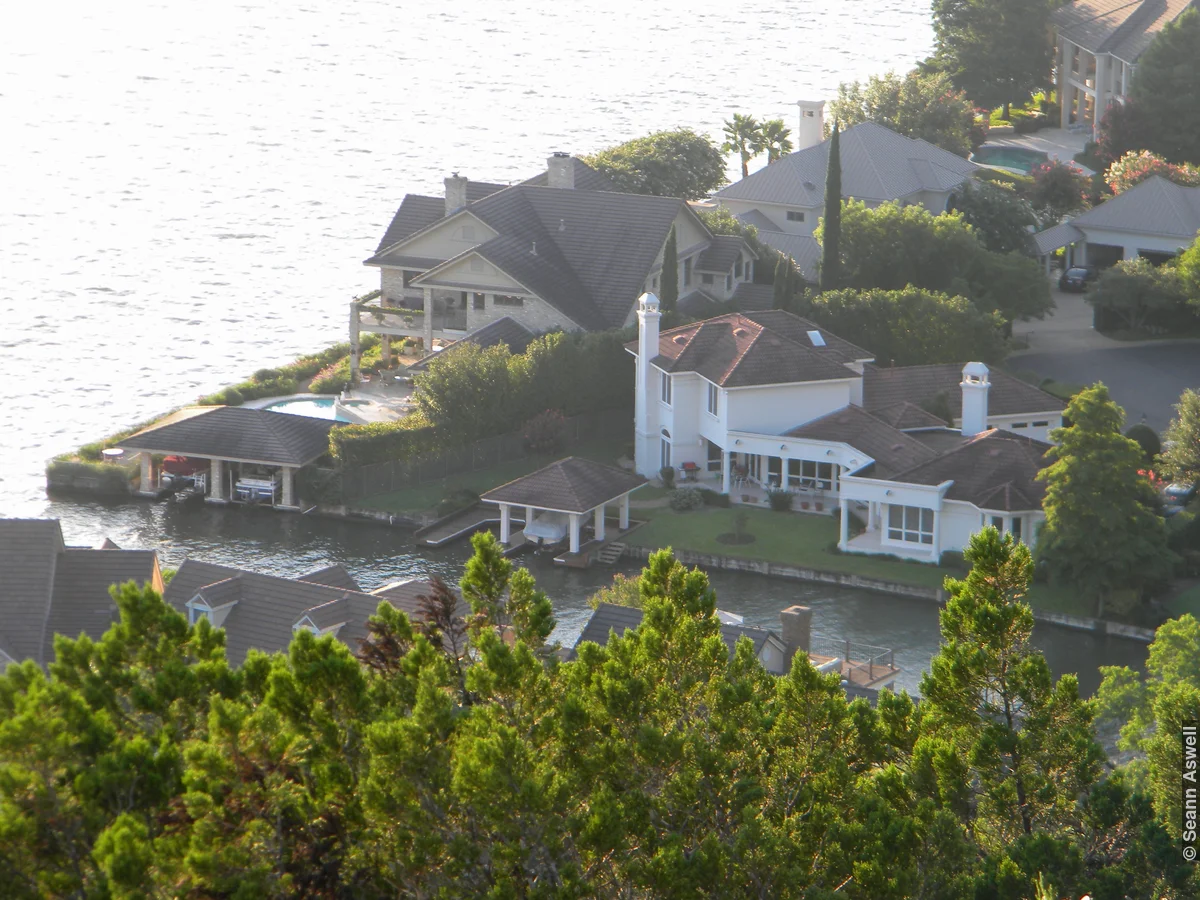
383	478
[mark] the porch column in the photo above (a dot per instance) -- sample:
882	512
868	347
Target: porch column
574	532
599	523
726	465
289	486
146	485
937	535
505	523
528	516
1061	73
1080	258
216	477
624	522
844	538
872	509
428	301
385	350
354	340
785	466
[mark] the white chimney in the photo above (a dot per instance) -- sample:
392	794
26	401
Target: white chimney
974	386
560	171
645	420
812	124
456	193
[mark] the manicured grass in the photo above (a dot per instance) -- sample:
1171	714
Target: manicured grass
423	497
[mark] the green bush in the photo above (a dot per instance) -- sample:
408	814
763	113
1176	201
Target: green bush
546	432
94	477
780	499
687	499
229	396
411	438
713	498
667	476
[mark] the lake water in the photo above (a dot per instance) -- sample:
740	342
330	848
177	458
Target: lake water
187	192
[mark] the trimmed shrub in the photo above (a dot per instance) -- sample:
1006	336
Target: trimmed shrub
667	474
93	477
411	438
780	500
712	498
687	499
546	432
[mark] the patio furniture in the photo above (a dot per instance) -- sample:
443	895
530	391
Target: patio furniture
690	470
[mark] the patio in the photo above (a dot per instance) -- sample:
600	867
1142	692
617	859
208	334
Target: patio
1057	143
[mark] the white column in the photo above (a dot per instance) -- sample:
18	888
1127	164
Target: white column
726	465
505	523
216	477
937	535
625	512
289	486
872	508
1062	72
528	516
844	538
354	340
599	523
574	532
146	485
428	301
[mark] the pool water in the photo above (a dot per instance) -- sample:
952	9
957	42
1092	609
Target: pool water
317	408
1018	158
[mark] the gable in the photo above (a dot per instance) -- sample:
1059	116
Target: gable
443	240
470	270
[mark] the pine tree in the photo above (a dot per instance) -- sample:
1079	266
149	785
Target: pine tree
669	295
832	227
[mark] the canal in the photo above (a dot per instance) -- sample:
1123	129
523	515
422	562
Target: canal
265	541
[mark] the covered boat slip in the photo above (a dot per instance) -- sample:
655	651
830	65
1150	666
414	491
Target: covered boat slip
230	453
560	499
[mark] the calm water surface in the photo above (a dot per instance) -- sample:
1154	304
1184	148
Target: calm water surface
187	192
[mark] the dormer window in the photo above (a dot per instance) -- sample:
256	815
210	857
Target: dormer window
307	624
196	613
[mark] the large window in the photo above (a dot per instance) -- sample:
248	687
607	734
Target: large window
664	453
795	216
479	300
811	474
910	524
714	398
664	387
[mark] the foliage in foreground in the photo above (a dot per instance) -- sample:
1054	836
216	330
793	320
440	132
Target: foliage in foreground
678	163
457	757
923	106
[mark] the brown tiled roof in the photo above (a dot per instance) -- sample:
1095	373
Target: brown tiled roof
893	450
905	415
572	485
238	433
743	349
995	470
1007	396
332	576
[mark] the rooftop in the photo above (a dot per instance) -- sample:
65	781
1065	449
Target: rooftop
1124	28
885	389
571	485
893	450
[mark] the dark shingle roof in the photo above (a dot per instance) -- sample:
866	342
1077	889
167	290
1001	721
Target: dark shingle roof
994	470
763	347
1124	28
802	248
893	450
750	297
573	485
415	213
81	601
907	416
1007	396
721	254
505	330
237	433
332	576
586	178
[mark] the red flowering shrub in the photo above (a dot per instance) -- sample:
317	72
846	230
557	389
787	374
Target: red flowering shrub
1058	189
1138	165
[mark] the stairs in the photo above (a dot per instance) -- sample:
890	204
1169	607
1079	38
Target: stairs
610	553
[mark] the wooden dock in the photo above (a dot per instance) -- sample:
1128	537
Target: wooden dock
461	524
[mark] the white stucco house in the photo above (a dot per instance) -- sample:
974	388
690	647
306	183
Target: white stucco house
1099	43
561	251
749	402
786	200
1156	219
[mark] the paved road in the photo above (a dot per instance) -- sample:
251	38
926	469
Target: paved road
1145	378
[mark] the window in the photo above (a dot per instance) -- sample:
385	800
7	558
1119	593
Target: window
1041	424
687	271
715	457
795	216
1020	424
812	474
1016	528
910	524
706	279
998	523
479	301
664	453
664	387
508	300
714	397
196	613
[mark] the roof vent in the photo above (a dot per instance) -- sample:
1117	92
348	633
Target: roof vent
680	339
817	340
897	446
740	332
562	224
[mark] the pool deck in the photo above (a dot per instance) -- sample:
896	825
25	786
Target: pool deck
1056	143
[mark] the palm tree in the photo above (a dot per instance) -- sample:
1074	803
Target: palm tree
774	136
743	137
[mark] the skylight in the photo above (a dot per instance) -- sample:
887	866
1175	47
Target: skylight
817	340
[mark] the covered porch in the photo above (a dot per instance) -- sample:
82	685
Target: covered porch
904	520
434	314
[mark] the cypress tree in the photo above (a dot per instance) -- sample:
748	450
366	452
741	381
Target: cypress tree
832	229
783	283
669	294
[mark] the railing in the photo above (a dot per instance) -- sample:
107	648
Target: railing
862	663
400	318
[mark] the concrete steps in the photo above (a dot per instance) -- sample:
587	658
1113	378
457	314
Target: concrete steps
610	553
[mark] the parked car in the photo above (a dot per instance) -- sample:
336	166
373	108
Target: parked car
1176	496
1076	278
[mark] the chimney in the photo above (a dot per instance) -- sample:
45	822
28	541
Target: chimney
974	386
645	420
812	124
560	171
795	623
456	193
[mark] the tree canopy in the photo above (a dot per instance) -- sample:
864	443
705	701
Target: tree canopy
1136	166
678	163
743	136
1181	456
921	105
999	217
1134	290
1164	91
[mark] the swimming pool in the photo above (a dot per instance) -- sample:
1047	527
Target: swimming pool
1009	157
316	407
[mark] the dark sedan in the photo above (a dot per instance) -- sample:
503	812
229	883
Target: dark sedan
1076	279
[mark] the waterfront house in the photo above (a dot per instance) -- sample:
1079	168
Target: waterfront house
263	612
49	588
786	200
1098	45
1156	219
923	455
562	251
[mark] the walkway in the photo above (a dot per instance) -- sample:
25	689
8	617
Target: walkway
477	518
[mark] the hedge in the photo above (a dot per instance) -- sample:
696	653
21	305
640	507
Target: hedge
95	477
362	445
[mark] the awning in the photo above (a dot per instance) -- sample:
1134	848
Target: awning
1059	236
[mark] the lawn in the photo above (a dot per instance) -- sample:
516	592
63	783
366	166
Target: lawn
423	497
808	540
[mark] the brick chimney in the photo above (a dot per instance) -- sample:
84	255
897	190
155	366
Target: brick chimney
560	171
456	193
795	625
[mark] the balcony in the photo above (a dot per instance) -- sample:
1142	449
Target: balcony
446	317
